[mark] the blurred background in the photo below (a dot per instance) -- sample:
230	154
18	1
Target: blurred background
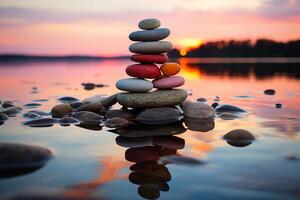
101	28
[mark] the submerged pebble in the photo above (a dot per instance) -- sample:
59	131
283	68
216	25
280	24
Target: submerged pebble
201	99
31	115
89	86
239	138
67	99
278	105
67	121
10	111
39	112
32	105
41	122
269	92
226	108
229	116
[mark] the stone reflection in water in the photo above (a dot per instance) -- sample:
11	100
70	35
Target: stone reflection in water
146	144
201	125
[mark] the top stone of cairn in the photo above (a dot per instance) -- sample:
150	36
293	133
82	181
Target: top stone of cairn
149	24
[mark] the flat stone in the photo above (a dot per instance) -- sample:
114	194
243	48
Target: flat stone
229	109
160	115
7	104
197	110
3	117
67	99
179	160
168	82
32	105
143	71
61	110
120	113
116	122
18	159
159	98
94	99
151	47
31	115
149	24
149	58
229	116
10	111
41	122
134	85
150	35
170	142
76	104
67	121
270	92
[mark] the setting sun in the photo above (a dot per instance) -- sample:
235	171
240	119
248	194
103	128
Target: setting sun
187	44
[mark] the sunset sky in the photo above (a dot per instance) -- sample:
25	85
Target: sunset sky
98	27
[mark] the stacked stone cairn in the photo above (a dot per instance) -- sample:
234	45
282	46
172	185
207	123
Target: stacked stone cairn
150	51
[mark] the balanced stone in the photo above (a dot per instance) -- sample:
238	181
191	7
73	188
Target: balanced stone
157	98
143	71
197	110
149	24
170	69
149	58
151	47
151	35
168	82
134	85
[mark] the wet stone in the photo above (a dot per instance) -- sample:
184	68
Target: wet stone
32	105
89	86
7	104
109	101
10	111
201	125
170	142
67	121
76	104
214	105
92	107
201	99
239	138
226	108
67	99
40	112
197	110
161	115
229	116
120	113
278	105
41	122
3	117
18	159
87	117
269	92
116	122
61	110
31	115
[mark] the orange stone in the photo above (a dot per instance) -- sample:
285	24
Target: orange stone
170	69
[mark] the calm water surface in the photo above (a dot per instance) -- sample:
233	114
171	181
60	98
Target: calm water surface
89	163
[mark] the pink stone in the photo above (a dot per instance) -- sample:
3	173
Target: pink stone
143	71
168	82
149	58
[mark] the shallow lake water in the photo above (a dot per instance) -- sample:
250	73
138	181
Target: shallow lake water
90	164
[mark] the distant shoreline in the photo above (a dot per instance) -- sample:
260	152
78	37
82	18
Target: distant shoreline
10	58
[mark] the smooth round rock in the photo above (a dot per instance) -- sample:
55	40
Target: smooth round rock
7	104
134	85
161	115
41	122
269	92
149	58
170	142
197	110
67	121
143	71
116	122
159	98
10	111
170	69
150	35
61	110
168	82
200	125
109	101
149	24
278	105
92	107
67	99
239	138
120	113
151	47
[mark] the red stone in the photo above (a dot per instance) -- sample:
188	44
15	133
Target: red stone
143	71
149	58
